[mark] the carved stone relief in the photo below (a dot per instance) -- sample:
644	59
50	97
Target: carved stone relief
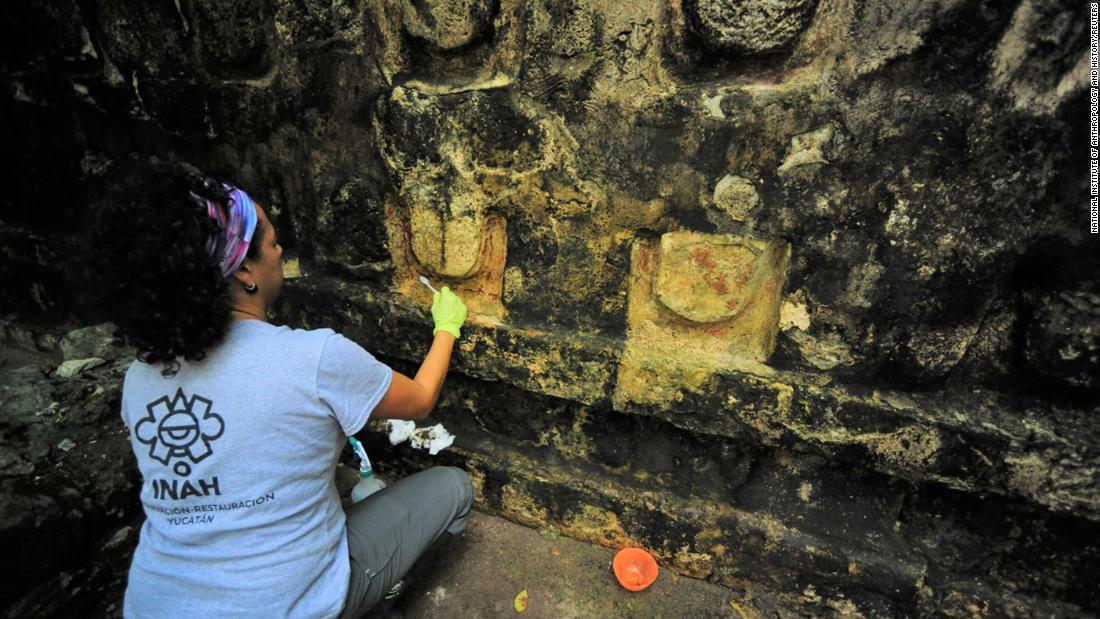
698	303
443	221
446	25
752	27
444	44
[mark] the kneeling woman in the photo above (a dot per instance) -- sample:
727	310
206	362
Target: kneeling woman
237	424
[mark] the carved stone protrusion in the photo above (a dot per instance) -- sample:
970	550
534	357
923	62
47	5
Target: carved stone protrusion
735	196
748	27
457	159
467	253
447	239
446	25
809	151
698	304
707	278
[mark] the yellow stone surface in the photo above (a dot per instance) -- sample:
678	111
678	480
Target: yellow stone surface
478	279
794	313
736	196
709	277
668	350
291	269
445	245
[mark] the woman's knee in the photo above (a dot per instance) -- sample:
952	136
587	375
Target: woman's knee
461	482
462	478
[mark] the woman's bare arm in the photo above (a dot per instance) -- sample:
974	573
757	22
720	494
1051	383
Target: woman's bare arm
414	398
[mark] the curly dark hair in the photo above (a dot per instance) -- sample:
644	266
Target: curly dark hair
148	264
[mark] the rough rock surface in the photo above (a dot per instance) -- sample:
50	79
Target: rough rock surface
1062	342
752	27
799	295
68	481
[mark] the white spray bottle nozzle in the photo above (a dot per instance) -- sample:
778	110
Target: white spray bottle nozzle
424	280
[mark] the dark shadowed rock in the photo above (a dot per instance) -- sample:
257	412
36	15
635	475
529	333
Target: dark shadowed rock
798	295
234	39
1062	343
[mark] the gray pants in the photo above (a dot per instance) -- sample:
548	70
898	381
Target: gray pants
388	530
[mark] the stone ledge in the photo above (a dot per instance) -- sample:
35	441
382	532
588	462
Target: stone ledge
571	366
1027	449
978	442
875	566
699	538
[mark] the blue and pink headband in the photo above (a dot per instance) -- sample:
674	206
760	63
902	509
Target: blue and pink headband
237	221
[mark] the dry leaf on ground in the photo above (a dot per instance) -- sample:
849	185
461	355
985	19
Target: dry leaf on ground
520	603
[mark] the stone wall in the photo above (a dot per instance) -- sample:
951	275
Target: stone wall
797	294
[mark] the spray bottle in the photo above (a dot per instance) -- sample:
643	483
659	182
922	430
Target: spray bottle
368	483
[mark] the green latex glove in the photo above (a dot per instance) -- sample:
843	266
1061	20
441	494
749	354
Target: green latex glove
448	311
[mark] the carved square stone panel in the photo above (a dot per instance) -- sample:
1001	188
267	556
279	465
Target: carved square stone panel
707	277
698	303
464	250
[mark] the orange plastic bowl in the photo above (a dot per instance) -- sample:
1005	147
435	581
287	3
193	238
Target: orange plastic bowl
635	568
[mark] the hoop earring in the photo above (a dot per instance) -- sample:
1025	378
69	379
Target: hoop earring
251	288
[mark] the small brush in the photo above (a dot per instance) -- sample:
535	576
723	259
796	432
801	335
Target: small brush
424	280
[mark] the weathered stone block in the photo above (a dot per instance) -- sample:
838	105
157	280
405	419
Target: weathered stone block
447	25
351	231
809	151
698	303
126	29
37	33
1034	62
752	27
572	366
31	270
465	253
94	341
736	196
449	45
708	278
1063	339
234	39
240	112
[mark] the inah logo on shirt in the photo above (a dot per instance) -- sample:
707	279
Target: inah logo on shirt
179	429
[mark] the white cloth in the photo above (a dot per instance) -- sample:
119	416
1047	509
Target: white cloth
237	453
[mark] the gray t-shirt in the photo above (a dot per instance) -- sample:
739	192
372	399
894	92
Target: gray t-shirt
237	454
